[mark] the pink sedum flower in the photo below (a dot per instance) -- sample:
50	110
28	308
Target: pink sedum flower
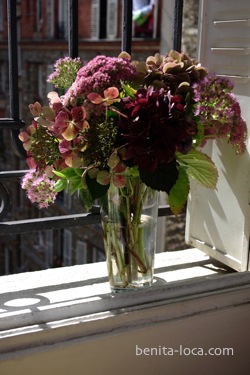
219	111
40	188
99	74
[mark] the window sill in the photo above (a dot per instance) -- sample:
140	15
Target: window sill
55	305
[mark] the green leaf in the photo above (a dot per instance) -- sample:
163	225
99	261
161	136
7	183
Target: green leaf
177	197
69	173
86	198
162	179
199	167
75	185
60	185
96	190
113	160
128	90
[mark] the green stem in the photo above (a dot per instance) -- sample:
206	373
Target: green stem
118	257
107	239
136	240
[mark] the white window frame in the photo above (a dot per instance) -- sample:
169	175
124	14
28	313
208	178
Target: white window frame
95	19
112	22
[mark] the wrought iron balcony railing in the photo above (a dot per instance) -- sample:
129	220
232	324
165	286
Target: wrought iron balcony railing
14	123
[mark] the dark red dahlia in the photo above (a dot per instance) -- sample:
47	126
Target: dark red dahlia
155	128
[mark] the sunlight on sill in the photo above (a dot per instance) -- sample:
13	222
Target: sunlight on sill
66	291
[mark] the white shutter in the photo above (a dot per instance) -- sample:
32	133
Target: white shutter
95	19
218	222
112	15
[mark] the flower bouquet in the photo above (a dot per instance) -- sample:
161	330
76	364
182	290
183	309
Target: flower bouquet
129	126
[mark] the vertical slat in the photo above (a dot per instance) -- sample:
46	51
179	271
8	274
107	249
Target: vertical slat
13	60
73	28
127	9
178	13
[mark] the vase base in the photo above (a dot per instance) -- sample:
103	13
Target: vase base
118	289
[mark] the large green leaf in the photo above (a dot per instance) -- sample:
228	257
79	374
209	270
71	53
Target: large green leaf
96	190
162	179
75	185
177	197
199	167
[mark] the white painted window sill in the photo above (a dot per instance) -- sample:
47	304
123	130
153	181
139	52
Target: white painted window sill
33	305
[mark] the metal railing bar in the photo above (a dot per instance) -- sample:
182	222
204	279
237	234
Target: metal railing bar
57	222
127	9
10	123
12	174
73	28
15	124
13	59
19	145
177	34
13	75
54	222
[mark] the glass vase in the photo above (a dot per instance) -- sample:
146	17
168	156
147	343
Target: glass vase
129	222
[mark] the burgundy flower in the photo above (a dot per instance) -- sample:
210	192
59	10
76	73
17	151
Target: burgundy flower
155	128
71	151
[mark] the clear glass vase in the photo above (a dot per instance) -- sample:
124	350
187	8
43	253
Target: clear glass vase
129	222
